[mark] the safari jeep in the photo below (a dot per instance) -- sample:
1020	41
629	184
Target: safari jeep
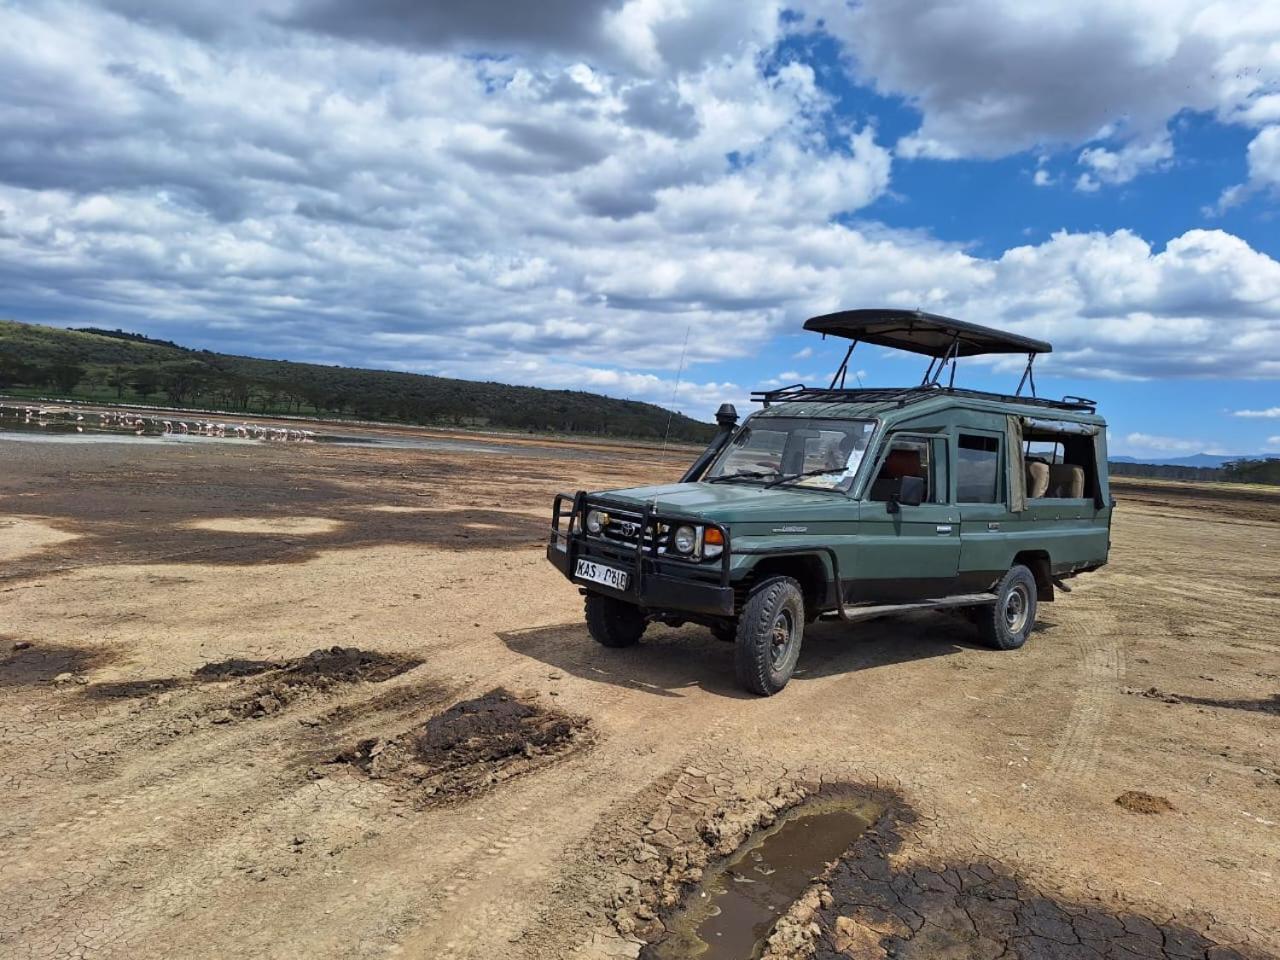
851	503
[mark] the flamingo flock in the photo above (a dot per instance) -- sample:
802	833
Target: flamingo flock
141	426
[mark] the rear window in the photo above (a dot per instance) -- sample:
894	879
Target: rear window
977	469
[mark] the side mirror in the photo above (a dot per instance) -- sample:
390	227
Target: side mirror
909	492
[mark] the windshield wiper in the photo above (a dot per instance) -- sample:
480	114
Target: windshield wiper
808	473
744	474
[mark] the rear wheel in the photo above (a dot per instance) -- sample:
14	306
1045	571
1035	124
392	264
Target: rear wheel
1006	624
770	631
613	623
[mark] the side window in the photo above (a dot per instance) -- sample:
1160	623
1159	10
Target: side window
977	469
907	457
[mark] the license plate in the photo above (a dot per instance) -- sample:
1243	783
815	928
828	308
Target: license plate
599	573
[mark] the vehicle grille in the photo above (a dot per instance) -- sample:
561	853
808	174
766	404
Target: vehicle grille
624	529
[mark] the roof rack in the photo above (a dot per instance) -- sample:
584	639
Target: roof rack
902	396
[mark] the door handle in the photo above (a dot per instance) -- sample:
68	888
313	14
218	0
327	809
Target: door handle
944	529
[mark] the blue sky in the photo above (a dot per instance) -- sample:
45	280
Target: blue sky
557	194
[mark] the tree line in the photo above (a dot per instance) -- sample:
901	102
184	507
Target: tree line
1244	470
107	365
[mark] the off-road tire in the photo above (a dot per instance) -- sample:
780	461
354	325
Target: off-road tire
613	623
1007	623
760	666
725	632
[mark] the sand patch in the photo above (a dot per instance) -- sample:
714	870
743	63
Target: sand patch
19	537
288	526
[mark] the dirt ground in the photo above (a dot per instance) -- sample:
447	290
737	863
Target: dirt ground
284	701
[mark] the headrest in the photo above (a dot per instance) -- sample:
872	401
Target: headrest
902	463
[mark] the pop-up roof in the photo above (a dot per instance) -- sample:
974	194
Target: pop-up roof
926	333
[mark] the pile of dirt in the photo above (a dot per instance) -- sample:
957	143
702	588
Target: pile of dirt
317	672
276	683
234	668
1135	801
470	746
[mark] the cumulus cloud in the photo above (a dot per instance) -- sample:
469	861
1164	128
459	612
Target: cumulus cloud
994	77
1264	170
290	180
1273	444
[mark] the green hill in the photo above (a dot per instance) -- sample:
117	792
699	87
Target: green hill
112	365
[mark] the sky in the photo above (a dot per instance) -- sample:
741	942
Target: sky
647	198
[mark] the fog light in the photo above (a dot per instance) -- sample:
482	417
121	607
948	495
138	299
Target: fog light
684	539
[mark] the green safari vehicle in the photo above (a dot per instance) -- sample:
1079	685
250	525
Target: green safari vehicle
850	503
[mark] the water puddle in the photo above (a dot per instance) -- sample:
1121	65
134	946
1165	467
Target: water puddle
739	901
47	424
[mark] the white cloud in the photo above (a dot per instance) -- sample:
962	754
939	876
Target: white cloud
1042	178
546	217
1271	413
1264	169
1123	165
993	77
803	354
1273	444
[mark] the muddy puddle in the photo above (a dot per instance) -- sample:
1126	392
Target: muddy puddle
470	746
735	908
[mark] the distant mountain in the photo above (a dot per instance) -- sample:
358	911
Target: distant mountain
116	366
1195	460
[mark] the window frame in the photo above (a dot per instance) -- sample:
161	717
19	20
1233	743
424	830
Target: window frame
1001	493
939	481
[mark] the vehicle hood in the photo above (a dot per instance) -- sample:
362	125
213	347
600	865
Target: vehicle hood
729	502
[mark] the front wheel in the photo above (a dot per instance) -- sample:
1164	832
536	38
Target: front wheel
613	623
770	631
1006	624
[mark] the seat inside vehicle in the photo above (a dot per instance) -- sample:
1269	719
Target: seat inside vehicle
899	463
1037	479
1066	481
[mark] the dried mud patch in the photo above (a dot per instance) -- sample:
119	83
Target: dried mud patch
470	747
884	898
1135	801
875	903
29	663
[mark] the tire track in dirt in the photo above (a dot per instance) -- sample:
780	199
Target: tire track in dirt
1100	669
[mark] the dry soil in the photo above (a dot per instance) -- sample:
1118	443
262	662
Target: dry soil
284	701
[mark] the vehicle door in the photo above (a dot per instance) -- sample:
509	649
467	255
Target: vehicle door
982	498
907	552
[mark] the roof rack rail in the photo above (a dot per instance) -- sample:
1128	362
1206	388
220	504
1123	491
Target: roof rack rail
798	392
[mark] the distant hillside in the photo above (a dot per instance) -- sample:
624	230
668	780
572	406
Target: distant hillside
1195	460
1259	469
113	365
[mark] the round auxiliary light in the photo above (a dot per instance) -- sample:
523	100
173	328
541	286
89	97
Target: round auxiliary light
684	539
596	521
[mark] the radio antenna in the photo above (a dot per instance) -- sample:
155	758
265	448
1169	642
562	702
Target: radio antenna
671	412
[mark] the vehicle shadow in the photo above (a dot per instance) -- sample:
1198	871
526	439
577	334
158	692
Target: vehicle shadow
669	662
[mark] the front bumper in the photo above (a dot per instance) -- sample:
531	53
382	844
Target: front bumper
655	582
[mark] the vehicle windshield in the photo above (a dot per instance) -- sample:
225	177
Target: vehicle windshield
775	449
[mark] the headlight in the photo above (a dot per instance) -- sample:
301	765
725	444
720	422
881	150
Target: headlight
712	543
596	520
684	539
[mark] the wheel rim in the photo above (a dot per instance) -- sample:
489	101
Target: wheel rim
1017	605
780	636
